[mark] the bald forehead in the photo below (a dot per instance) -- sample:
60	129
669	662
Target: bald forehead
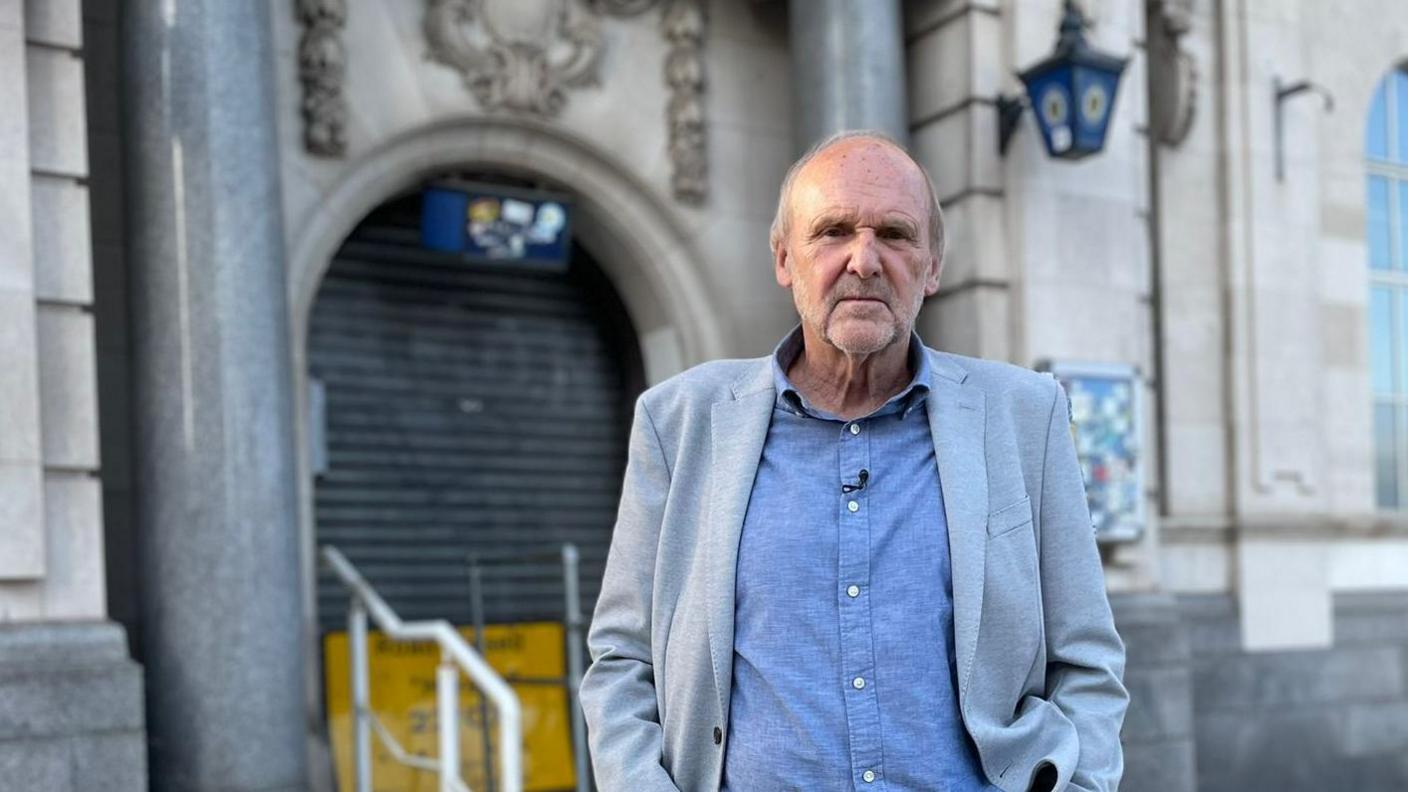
860	164
863	156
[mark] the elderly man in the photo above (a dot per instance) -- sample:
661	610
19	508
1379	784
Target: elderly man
857	563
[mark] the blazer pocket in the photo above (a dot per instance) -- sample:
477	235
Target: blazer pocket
1010	517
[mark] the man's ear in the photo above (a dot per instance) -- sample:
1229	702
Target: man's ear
931	283
781	265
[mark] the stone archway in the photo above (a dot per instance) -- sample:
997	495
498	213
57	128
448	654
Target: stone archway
618	219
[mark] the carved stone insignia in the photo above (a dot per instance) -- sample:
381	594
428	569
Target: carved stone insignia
322	68
1173	75
516	56
523	56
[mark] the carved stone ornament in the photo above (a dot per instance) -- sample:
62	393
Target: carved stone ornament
516	56
523	55
683	25
322	68
1173	75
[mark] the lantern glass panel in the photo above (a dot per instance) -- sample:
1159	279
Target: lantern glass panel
1050	94
1095	96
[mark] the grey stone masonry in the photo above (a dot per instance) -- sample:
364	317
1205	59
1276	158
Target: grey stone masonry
1332	718
1207	715
1158	729
71	716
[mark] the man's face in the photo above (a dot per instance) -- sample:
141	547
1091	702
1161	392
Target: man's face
857	255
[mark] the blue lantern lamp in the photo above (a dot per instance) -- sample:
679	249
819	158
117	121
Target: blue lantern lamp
1072	93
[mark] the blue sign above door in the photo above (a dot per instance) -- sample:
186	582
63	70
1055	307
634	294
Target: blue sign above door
489	223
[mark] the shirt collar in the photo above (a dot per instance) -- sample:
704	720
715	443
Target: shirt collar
902	403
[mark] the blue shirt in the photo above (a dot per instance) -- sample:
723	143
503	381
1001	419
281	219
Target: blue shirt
843	669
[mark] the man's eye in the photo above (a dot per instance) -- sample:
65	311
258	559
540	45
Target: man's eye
833	231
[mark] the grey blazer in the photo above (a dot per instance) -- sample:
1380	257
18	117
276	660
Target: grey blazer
1039	661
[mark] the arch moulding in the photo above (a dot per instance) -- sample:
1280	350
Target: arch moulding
616	217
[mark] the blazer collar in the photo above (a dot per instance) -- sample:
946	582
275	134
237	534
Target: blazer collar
756	377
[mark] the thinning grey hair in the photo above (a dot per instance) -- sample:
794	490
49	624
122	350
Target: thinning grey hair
782	220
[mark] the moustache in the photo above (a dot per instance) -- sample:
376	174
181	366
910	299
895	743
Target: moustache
860	291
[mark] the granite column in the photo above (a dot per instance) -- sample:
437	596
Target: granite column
213	406
847	68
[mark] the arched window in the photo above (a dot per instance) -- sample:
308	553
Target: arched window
1386	161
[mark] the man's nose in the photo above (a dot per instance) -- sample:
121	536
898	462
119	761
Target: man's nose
865	255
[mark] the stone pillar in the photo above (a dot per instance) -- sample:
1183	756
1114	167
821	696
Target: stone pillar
212	400
847	68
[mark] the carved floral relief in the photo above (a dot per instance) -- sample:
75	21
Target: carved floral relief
525	56
520	56
322	68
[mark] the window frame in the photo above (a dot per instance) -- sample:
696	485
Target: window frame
1393	168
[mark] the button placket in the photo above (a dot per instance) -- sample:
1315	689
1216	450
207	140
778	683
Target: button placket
856	619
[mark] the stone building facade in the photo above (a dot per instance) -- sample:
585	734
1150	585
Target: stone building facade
186	179
70	693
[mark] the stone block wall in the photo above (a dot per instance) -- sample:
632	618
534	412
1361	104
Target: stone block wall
51	548
70	709
1158	729
1207	715
953	82
1333	718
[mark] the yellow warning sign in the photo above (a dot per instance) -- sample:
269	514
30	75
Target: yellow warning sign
403	699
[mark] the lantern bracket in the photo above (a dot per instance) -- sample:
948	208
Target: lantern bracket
1009	115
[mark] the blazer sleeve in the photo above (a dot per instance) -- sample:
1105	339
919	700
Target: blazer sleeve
1085	655
618	691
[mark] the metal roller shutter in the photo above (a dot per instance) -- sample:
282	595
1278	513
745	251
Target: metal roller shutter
467	409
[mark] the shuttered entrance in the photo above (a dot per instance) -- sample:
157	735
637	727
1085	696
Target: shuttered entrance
465	408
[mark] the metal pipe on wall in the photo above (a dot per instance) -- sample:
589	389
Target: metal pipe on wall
848	68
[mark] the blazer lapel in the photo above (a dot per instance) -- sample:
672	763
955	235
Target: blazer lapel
739	427
956	423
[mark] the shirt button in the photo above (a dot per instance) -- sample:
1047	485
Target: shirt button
855	429
868	775
853	591
853	506
858	683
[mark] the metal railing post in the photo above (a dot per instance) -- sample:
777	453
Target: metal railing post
572	612
476	608
447	695
456	655
361	696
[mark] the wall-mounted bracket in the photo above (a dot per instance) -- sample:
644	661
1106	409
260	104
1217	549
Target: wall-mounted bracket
1281	92
1009	115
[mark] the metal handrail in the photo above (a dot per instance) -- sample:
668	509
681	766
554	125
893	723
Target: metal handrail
455	655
